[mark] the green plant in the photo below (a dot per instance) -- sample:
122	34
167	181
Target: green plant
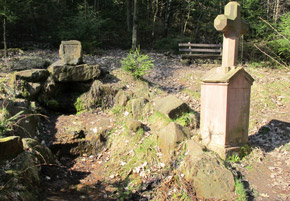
6	122
234	158
187	119
245	150
240	191
137	64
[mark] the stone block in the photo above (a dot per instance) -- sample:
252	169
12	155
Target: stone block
34	75
10	147
79	73
171	106
168	139
70	52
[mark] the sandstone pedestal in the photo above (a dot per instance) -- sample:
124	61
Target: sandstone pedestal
225	103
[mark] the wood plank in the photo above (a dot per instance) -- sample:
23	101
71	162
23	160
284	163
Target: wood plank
199	50
199	45
200	55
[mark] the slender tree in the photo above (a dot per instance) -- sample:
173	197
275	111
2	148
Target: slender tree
135	25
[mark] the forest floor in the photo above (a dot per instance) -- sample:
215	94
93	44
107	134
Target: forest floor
265	171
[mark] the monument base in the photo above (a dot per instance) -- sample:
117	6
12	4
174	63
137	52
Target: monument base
224	152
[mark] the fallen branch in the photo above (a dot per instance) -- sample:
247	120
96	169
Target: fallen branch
270	56
275	29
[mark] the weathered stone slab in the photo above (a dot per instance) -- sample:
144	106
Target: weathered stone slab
10	147
34	75
168	139
171	106
70	52
79	73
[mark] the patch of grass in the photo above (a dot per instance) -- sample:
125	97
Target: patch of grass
117	109
157	116
240	191
195	94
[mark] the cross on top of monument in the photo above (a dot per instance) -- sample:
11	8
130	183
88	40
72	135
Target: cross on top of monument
232	27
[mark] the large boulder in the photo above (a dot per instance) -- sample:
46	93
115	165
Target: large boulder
169	138
79	73
10	147
70	52
207	174
171	106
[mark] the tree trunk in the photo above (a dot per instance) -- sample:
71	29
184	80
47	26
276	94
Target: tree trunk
4	35
129	15
155	17
4	40
135	25
168	10
277	11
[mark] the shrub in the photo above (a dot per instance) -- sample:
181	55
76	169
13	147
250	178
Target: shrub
137	64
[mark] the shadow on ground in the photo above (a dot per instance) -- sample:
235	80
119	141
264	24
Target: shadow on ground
272	135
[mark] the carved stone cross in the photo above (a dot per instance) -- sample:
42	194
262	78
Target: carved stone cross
232	27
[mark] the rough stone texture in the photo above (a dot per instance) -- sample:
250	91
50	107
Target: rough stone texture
23	178
134	125
28	125
10	147
168	139
27	62
137	107
209	176
43	153
34	75
79	73
121	98
171	106
194	148
27	90
70	52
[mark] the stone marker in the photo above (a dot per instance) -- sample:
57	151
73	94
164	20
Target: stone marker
70	52
225	91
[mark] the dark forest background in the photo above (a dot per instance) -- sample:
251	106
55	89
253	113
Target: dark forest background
152	24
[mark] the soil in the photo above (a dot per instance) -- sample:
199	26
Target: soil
265	172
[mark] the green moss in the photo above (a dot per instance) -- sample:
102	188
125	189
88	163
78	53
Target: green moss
52	104
79	105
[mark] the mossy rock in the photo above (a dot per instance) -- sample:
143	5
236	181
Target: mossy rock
43	153
208	176
169	138
22	177
10	147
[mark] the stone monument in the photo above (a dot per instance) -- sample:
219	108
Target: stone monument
225	91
